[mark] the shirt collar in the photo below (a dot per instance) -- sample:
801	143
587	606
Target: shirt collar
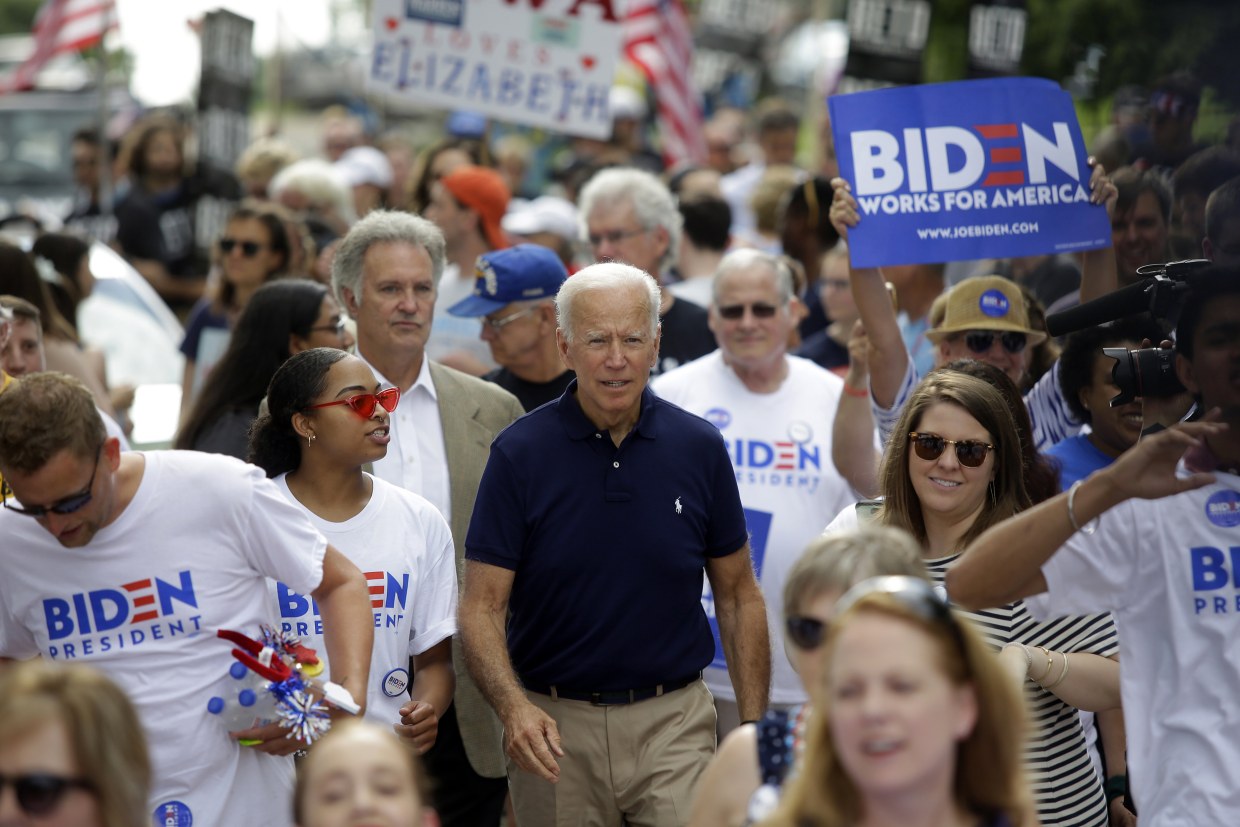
423	381
579	426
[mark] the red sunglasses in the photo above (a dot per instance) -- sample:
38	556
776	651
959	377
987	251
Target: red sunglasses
364	403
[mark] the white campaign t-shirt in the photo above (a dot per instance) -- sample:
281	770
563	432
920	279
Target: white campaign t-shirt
404	547
1167	569
780	445
189	555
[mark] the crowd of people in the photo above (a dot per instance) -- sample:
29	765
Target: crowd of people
621	498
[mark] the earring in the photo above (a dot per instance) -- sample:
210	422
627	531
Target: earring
309	439
991	486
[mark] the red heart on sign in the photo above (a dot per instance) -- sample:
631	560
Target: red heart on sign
587	61
391	23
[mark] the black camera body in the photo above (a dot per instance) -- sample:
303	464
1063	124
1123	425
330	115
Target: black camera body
1146	372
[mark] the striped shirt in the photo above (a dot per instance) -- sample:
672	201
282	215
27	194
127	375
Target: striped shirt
1067	791
1049	414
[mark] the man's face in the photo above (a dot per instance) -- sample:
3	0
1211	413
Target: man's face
397	300
1139	236
85	160
64	478
611	352
1225	249
1013	364
23	352
519	339
453	220
758	336
615	234
1214	372
779	146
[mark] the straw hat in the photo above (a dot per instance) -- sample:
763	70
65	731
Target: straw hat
985	303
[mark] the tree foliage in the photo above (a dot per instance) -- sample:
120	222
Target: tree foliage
17	16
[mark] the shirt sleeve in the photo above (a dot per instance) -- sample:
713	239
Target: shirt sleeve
885	419
16	641
435	611
1091	572
279	541
193	330
497	527
1049	413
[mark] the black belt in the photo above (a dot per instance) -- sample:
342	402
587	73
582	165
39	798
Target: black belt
614	697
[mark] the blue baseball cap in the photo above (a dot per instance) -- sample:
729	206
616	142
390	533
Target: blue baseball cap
516	274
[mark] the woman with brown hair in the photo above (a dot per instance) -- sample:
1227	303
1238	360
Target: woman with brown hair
71	749
917	725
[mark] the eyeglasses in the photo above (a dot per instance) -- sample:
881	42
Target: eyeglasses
806	633
336	327
364	403
66	506
970	453
38	794
249	249
613	236
979	341
499	324
760	310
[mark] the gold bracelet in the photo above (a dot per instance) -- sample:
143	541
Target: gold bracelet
1062	674
1049	664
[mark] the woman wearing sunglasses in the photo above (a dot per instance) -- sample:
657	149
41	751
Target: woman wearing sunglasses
743	783
953	468
918	724
283	318
72	752
253	249
327	419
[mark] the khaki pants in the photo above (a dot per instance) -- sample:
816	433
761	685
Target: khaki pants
636	764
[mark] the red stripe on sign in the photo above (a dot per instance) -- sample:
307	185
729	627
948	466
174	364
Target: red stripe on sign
375	590
999	179
145	616
997	130
144	600
376	604
137	584
1006	155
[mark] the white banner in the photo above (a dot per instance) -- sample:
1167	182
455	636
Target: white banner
545	63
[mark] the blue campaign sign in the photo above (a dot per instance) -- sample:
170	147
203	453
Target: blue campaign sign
968	170
759	525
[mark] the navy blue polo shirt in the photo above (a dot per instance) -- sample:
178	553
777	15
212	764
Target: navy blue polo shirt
608	545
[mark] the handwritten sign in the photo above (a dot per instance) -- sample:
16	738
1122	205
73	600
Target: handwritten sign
968	170
545	63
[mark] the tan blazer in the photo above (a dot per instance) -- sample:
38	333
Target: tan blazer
472	412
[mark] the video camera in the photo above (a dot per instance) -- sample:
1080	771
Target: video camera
1148	371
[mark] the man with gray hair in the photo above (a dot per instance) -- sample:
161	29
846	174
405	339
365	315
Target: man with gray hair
582	613
629	215
385	274
775	413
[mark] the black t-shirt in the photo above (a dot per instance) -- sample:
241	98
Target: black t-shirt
530	394
686	336
824	351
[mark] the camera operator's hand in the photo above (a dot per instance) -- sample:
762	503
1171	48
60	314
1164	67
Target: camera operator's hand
1161	412
1147	470
1101	190
843	211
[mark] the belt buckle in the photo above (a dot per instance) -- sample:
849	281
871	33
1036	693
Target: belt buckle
596	699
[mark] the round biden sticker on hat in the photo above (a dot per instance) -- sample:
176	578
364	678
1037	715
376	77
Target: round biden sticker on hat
994	304
1223	509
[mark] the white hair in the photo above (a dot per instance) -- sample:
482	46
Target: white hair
652	202
748	257
318	181
606	276
379	227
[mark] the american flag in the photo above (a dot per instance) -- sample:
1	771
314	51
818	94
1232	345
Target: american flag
61	26
657	38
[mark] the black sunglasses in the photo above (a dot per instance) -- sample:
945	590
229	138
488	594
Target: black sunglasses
38	794
979	341
970	453
806	633
760	310
66	506
249	249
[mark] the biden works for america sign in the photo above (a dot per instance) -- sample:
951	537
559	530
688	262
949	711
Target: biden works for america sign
545	63
969	170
